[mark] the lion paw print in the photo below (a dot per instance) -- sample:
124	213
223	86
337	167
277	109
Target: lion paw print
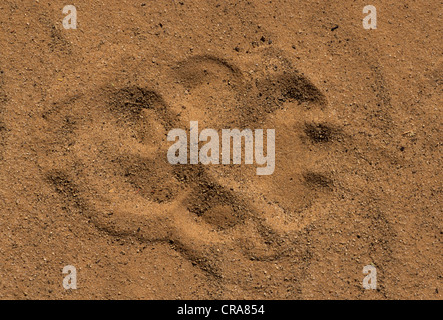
113	168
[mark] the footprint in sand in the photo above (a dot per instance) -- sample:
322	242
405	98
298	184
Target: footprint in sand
113	166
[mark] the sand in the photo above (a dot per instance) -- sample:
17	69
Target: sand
85	181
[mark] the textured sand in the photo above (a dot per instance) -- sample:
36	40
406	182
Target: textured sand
84	178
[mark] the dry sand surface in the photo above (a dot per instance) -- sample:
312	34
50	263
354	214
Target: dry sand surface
85	181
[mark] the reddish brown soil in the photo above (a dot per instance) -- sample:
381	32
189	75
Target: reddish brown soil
84	178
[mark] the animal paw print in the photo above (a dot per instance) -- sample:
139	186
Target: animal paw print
112	166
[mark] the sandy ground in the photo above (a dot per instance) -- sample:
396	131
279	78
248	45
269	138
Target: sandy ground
84	178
